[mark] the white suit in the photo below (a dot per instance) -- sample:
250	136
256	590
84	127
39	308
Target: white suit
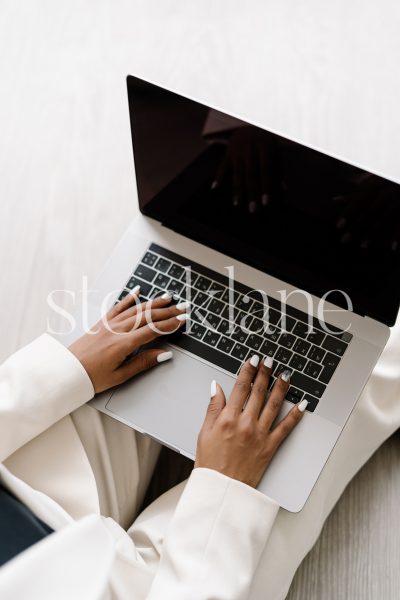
217	538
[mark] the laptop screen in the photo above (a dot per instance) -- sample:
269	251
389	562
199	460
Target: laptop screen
318	223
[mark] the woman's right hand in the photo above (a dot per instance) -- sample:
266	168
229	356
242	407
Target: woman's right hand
237	438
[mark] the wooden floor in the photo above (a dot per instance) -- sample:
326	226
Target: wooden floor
67	189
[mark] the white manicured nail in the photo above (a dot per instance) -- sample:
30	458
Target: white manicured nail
286	375
302	405
164	356
166	296
135	290
255	359
213	390
183	305
268	362
182	317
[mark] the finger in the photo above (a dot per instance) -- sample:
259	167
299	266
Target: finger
131	298
151	331
286	426
275	400
260	387
153	303
216	405
144	316
142	362
242	387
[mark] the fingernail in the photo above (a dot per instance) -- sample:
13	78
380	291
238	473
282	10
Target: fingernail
213	390
164	356
182	317
166	296
268	362
286	375
341	223
252	207
265	199
214	184
302	405
235	201
255	359
183	305
135	290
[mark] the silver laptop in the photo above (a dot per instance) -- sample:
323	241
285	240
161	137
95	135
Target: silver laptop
282	251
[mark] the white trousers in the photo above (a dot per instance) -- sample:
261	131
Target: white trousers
123	461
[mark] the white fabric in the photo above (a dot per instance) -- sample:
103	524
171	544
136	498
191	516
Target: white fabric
210	551
211	533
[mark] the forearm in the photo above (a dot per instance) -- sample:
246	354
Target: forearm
214	541
39	384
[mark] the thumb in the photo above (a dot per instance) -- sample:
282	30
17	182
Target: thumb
216	405
142	362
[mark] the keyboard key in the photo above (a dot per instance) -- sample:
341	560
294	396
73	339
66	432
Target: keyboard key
268	348
162	265
334	345
300	329
257	325
313	369
230	296
214	356
254	341
224	326
307	384
283	355
296	392
123	294
316	353
239	335
200	298
258	310
216	306
145	273
287	323
149	259
272	334
298	362
330	363
312	402
197	330
287	340
346	336
213	320
228	313
216	289
291	398
240	352
189	278
202	283
244	303
162	281
176	271
273	316
175	286
302	347
212	338
198	314
225	344
144	287
316	337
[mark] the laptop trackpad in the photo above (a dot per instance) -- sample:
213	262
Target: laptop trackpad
169	402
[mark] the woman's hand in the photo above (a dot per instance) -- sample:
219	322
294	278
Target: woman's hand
127	326
236	438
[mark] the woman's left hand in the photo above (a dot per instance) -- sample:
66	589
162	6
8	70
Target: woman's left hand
127	326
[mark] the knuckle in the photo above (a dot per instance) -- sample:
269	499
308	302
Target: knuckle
259	389
246	429
275	402
228	422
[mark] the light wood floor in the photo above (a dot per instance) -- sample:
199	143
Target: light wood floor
67	189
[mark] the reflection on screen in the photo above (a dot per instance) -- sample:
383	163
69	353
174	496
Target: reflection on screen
306	218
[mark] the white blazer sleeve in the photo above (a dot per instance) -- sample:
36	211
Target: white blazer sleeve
39	384
214	541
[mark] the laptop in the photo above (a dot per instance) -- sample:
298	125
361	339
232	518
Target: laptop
282	251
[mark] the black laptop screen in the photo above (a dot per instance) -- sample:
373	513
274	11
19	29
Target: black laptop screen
311	220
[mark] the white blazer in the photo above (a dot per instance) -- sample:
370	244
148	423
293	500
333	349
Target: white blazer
214	540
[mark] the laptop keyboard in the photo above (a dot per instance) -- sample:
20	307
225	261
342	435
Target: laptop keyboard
228	325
